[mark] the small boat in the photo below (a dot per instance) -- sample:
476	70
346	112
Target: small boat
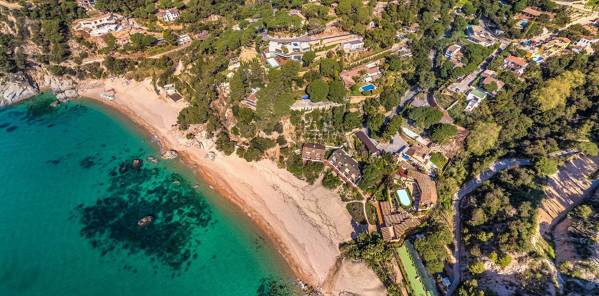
145	221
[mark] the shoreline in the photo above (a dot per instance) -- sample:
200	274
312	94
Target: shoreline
305	223
209	177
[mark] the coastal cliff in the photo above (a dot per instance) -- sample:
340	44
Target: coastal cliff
16	87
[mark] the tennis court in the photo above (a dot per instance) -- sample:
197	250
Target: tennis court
414	279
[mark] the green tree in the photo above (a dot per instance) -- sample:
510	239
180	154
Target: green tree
318	90
139	41
329	68
392	127
546	166
588	148
337	91
433	247
554	92
330	180
308	58
426	116
476	267
442	132
483	137
470	287
352	120
438	159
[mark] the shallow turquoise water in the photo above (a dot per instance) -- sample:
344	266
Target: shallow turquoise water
70	201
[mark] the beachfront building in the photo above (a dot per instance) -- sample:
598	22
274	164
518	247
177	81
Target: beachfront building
109	94
363	73
425	191
553	47
515	64
585	45
313	152
419	155
345	166
100	25
368	144
172	92
168	15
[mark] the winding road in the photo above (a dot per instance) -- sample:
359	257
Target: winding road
467	188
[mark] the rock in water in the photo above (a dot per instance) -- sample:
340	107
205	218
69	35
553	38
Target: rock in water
136	164
171	154
15	88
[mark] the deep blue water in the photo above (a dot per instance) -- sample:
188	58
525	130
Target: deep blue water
70	200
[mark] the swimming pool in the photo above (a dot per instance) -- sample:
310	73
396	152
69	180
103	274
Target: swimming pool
367	87
404	197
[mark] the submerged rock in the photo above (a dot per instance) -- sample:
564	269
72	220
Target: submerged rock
136	164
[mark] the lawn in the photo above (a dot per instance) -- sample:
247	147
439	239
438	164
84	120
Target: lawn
411	274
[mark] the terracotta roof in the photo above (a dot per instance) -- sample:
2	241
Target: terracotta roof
516	60
491	79
427	187
532	11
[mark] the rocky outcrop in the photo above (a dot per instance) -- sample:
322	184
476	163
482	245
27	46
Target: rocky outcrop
15	88
63	87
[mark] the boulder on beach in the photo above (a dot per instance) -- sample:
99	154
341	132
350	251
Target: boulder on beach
170	154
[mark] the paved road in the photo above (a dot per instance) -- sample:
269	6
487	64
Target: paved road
466	189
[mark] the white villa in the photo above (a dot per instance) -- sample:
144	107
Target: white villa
294	48
307	105
100	25
168	15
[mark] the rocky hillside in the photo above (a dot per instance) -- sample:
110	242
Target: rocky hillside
566	189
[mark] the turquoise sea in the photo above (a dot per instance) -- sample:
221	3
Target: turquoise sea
71	199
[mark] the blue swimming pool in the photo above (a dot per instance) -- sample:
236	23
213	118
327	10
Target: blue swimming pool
404	197
367	87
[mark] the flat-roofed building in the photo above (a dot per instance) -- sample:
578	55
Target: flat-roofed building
100	25
313	152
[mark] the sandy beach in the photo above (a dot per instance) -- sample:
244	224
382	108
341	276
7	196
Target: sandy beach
306	222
